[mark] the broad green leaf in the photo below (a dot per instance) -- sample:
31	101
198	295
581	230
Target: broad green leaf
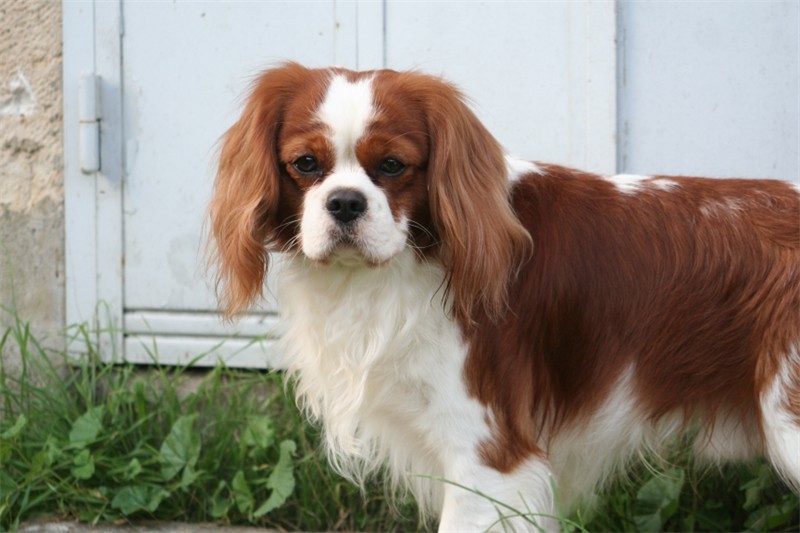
220	504
188	477
754	487
86	428
132	469
180	449
52	450
84	465
259	433
242	494
281	480
48	455
138	498
657	500
16	429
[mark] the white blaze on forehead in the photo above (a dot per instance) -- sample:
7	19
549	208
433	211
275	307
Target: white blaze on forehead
347	110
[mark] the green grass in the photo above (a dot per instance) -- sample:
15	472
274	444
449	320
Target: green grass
82	439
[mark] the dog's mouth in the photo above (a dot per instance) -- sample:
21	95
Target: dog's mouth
347	249
371	239
349	256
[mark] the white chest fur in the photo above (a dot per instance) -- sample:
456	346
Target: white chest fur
379	363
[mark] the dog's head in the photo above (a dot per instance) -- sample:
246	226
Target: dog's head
352	168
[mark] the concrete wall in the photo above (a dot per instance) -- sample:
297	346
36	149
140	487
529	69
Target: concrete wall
31	168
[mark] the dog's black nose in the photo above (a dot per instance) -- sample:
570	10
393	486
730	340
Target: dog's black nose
346	205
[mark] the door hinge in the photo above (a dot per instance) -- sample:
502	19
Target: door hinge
89	122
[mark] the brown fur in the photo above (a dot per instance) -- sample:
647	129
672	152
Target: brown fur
253	203
466	174
704	305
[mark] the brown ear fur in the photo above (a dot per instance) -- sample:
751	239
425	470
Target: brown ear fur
244	207
483	242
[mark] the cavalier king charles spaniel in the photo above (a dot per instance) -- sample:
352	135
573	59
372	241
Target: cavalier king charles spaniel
500	334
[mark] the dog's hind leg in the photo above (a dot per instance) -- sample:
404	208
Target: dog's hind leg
780	418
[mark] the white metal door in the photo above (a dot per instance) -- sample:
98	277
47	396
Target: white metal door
172	75
708	89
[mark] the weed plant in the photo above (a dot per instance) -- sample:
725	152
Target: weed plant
97	442
87	440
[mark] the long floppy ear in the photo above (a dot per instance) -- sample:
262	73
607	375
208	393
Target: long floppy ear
244	208
483	242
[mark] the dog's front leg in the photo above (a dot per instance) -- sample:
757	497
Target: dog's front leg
478	498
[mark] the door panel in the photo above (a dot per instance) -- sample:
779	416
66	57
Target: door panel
174	75
186	67
178	100
541	75
710	88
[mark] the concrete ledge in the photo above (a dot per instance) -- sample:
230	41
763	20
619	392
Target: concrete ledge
139	527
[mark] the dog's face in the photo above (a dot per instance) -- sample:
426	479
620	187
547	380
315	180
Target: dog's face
351	168
358	175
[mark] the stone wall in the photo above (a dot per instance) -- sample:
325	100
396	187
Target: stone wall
31	167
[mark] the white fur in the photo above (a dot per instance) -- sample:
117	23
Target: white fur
634	183
347	110
664	184
384	391
377	234
727	207
628	183
390	391
523	499
592	451
517	168
729	438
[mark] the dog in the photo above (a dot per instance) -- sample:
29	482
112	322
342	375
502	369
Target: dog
494	333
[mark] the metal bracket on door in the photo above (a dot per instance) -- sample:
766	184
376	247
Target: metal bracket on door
89	122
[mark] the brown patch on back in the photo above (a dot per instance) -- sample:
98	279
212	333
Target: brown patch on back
703	308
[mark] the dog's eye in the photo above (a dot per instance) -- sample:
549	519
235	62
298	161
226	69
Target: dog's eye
391	168
306	165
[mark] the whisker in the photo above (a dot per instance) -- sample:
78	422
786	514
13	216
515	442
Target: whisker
291	220
424	230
